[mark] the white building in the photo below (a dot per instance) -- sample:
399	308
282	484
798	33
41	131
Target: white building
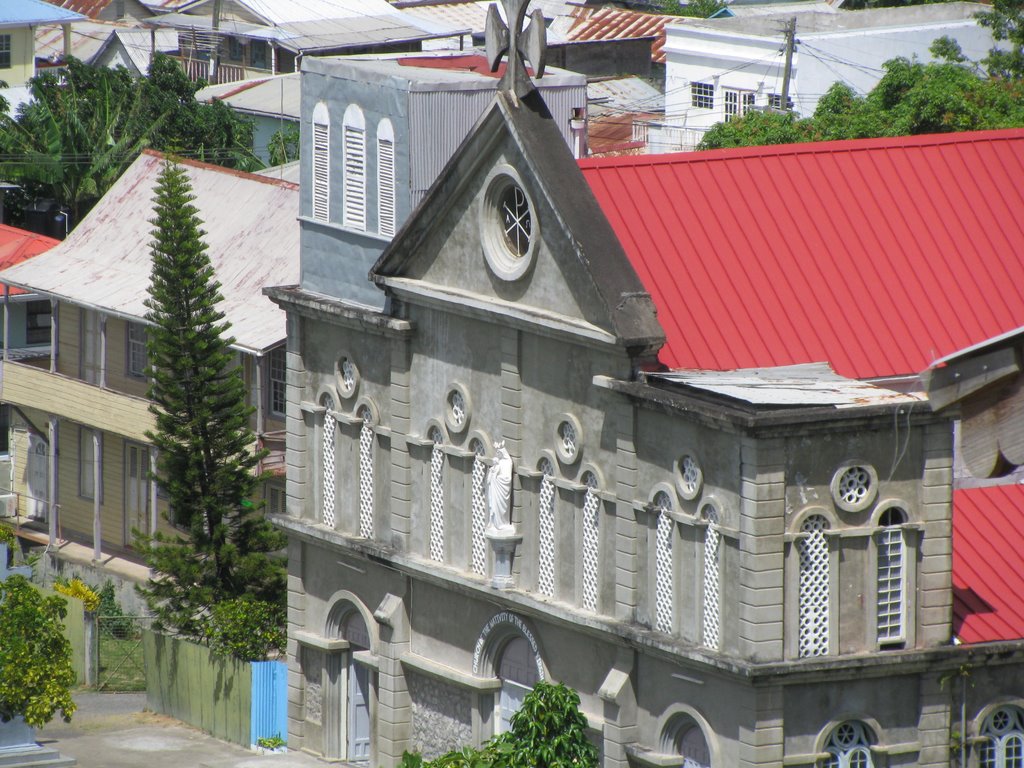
718	68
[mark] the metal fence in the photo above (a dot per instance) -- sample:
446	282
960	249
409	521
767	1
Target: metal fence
118	657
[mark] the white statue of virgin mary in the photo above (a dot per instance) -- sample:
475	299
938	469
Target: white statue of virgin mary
499	492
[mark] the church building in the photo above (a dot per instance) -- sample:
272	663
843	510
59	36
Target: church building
737	554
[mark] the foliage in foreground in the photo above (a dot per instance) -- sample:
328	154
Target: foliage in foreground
207	459
36	675
548	731
911	98
248	630
79	590
86	124
697	9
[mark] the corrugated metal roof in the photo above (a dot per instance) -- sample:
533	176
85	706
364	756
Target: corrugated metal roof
877	255
471	16
20	13
808	384
87	39
18	245
271	96
609	23
623	94
251	238
321	34
988	570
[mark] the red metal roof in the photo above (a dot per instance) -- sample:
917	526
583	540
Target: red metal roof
612	23
988	571
90	8
877	255
18	245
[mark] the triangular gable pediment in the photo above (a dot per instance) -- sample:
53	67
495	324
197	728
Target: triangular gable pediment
574	276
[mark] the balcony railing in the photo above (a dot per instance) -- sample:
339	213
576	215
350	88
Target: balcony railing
199	69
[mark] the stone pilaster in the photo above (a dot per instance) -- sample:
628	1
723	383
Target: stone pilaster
627	545
761	728
933	727
935	574
394	705
401	472
760	595
298	485
296	622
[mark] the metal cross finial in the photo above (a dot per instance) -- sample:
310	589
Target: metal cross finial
518	42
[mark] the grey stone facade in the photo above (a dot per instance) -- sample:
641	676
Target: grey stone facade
672	599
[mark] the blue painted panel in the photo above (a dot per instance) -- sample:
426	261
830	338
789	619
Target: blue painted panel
269	709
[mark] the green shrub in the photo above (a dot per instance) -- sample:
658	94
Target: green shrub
248	630
7	537
548	731
119	625
79	590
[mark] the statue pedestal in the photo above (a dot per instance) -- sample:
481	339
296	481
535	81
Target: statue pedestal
19	749
503	542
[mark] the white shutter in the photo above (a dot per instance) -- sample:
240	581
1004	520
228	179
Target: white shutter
386	187
321	171
355	178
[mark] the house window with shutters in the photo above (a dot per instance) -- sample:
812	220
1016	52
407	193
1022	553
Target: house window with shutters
814	590
891	577
277	395
354	138
386	179
321	162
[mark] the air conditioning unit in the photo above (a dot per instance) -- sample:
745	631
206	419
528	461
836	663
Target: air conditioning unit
8	505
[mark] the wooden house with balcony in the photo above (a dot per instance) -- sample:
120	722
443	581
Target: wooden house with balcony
81	411
251	39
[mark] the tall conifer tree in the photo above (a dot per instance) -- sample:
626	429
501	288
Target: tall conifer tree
206	457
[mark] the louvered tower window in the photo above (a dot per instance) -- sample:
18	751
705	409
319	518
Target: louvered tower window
891	577
664	578
386	179
321	163
327	466
814	588
354	137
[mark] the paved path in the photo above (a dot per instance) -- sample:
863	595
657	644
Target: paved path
111	730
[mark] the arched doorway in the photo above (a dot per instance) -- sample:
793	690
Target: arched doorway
348	695
357	726
517	670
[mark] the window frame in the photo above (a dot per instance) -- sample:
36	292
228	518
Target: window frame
702	95
277	381
33	323
85	467
353	145
320	183
6	51
737	102
261	59
132	348
387	213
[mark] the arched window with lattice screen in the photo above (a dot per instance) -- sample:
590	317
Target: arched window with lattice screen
366	485
814	596
664	565
435	544
711	610
328	466
1003	739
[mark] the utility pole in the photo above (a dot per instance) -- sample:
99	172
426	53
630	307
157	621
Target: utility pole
215	52
790	32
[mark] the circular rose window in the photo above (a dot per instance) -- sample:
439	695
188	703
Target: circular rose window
508	225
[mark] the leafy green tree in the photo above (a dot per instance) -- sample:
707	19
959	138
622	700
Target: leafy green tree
86	124
548	731
36	675
248	630
697	9
911	98
284	146
206	455
1006	20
